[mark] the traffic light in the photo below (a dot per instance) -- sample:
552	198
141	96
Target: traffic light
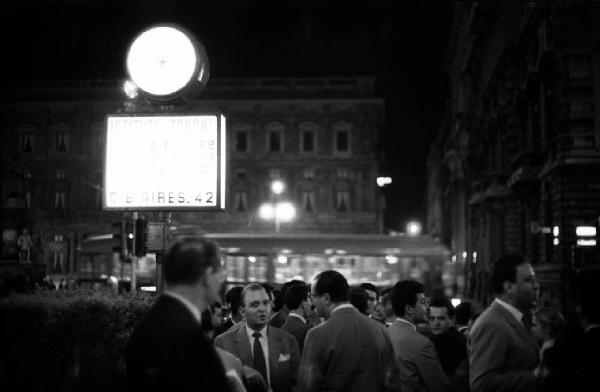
129	237
141	237
118	239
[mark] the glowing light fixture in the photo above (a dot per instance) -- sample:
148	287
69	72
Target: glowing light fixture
413	228
585	231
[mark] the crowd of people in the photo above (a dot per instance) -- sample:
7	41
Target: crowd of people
325	336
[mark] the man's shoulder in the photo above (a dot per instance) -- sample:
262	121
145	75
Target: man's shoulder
280	334
230	335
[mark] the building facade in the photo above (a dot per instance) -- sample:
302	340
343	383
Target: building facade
317	135
516	164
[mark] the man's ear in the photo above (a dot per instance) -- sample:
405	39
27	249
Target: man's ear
327	298
408	310
509	287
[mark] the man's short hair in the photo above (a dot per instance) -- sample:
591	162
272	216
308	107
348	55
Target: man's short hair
463	313
251	287
505	269
294	296
332	283
370	287
234	299
360	299
443	302
405	293
189	258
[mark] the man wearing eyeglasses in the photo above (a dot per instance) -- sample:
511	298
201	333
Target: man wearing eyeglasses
347	352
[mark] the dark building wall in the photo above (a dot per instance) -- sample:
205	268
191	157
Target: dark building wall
523	131
53	144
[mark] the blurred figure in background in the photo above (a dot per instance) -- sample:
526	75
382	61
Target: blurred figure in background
233	298
360	300
373	293
277	319
296	299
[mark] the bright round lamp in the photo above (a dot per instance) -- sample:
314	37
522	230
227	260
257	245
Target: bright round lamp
165	62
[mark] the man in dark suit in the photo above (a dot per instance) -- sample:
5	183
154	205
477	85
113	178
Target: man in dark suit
296	299
420	368
450	345
233	298
503	354
278	318
272	352
348	352
168	349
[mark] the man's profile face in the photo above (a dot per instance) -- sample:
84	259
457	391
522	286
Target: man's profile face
420	309
372	301
256	309
526	287
319	302
439	320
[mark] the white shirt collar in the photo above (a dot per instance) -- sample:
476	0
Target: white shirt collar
342	306
187	303
292	314
250	331
405	321
511	309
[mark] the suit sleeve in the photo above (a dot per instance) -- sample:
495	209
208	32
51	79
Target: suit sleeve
487	361
294	360
430	370
310	364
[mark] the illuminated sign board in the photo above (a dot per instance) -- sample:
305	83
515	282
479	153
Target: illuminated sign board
165	162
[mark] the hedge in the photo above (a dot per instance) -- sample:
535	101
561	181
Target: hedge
72	340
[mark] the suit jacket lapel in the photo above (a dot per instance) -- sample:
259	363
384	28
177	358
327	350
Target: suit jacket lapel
274	351
242	344
517	325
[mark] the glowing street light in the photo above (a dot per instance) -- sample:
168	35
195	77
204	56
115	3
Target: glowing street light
280	212
277	187
413	228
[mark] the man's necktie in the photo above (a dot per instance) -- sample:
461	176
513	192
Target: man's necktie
259	357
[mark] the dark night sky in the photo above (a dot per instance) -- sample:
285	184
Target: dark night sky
401	43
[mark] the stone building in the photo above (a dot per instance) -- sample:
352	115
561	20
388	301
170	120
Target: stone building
318	135
516	164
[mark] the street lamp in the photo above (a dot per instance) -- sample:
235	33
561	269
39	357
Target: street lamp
413	228
279	211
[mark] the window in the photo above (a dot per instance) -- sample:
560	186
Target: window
342	201
27	145
241	141
308	141
308	201
342	137
240	203
61	142
274	131
275	141
342	141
